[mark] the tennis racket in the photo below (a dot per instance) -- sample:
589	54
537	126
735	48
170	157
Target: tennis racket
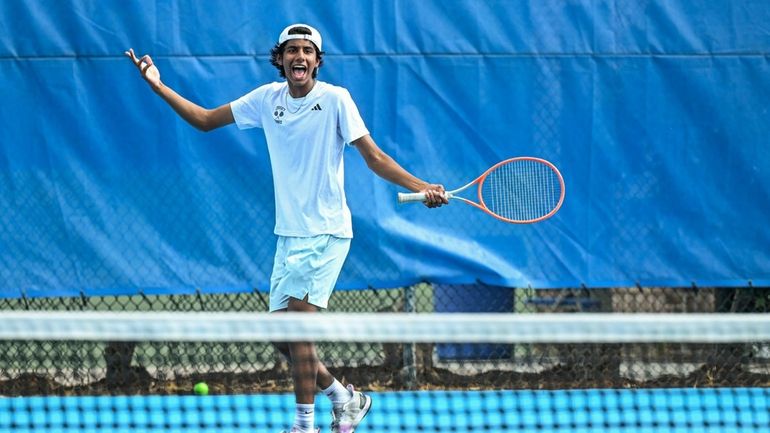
519	190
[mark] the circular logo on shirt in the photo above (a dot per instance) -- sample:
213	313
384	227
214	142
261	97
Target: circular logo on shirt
278	114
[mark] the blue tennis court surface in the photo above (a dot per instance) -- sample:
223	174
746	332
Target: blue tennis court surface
722	410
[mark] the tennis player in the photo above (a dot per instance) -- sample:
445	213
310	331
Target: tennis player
307	125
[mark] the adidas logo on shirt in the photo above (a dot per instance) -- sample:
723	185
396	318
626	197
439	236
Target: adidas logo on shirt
317	107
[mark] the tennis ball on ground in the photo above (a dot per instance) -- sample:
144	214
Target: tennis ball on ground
201	388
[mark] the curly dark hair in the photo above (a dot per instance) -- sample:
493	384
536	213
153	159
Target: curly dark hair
277	50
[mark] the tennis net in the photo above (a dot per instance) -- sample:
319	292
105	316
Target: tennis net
119	372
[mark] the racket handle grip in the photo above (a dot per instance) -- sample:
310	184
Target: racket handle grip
409	197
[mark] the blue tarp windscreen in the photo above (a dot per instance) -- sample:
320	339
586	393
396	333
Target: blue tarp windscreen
656	113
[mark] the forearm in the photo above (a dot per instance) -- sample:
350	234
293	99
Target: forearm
388	169
197	116
192	113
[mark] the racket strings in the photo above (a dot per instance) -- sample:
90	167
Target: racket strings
522	190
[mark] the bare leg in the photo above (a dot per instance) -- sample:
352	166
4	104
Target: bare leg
307	370
349	407
324	379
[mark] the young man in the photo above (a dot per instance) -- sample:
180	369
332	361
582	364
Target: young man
307	124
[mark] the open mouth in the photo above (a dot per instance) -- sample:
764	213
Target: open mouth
298	72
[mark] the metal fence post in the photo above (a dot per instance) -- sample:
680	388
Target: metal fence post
410	368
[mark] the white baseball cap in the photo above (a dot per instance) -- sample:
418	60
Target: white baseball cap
313	37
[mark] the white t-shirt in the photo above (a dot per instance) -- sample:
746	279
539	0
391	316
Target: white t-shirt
305	139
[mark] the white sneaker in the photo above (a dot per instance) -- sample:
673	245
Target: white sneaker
293	430
346	418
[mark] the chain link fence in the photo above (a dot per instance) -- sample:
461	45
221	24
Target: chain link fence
78	367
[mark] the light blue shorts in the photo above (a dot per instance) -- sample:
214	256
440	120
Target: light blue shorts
306	267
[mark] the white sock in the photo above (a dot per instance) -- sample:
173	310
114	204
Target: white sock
337	393
304	418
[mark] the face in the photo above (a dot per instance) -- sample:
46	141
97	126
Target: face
299	59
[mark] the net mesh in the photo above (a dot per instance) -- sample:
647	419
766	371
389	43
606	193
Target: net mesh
135	371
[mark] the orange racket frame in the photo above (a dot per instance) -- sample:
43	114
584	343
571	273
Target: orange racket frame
479	181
